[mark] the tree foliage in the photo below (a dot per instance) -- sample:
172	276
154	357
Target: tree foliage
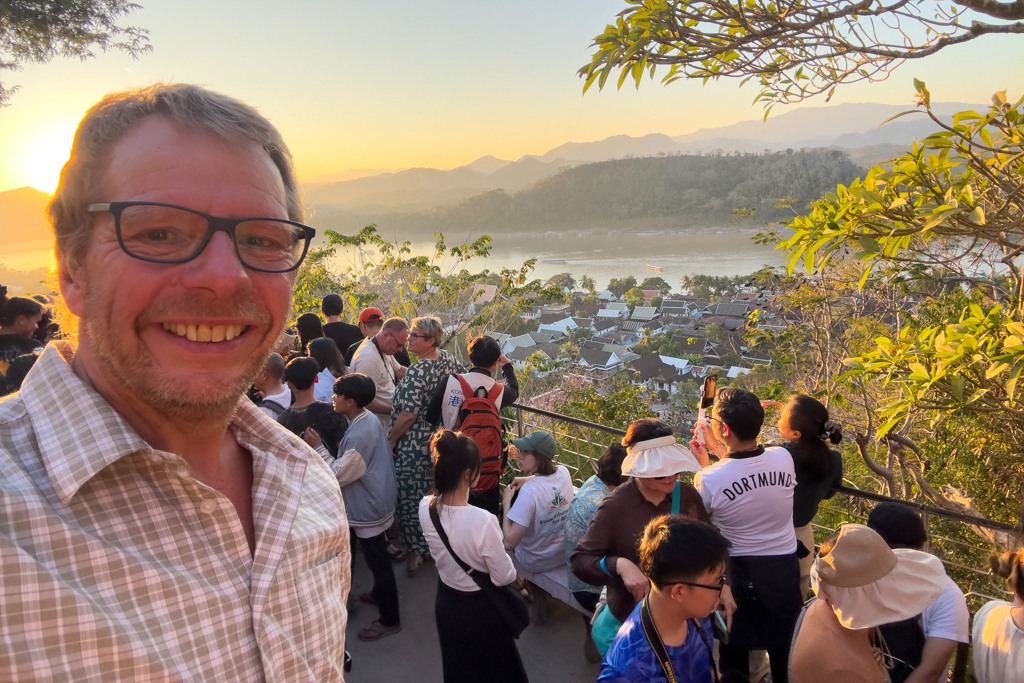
657	283
791	49
387	275
36	32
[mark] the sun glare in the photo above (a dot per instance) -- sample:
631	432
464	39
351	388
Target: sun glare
44	153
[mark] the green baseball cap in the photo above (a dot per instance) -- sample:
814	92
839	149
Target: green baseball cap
538	442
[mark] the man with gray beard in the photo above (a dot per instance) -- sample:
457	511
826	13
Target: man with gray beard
154	525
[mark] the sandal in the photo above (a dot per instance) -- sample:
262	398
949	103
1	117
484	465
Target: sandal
377	630
396	554
413	562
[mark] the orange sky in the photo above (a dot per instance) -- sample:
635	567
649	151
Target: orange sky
428	84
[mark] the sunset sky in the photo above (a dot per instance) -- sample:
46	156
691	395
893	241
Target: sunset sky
400	84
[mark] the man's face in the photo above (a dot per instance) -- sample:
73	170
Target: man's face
132	312
392	342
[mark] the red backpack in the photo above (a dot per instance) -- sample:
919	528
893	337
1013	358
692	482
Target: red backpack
479	420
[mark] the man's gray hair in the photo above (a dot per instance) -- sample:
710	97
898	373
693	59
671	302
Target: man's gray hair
395	325
190	106
430	327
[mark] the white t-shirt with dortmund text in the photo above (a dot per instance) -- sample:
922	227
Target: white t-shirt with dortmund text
751	501
541	507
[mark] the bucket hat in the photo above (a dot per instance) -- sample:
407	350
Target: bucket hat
661	457
868	584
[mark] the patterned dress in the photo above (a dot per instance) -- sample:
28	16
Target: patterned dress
413	467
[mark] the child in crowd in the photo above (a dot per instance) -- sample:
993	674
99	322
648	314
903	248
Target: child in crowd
668	636
749	493
366	473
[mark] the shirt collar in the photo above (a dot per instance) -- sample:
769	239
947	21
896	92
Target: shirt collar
79	433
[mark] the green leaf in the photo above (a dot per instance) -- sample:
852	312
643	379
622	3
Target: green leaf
977	216
957	384
869	245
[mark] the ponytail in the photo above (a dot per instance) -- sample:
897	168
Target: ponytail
1010	566
817	433
454	454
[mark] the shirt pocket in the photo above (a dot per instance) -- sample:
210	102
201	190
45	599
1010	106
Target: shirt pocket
319	600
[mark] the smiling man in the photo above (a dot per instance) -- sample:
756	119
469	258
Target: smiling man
154	525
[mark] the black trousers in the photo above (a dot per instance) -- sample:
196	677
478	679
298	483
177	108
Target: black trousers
476	644
385	588
735	661
489	500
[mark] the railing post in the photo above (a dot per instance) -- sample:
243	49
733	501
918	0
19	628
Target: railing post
520	424
927	530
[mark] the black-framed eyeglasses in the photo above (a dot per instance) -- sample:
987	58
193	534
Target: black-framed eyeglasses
167	233
717	588
418	336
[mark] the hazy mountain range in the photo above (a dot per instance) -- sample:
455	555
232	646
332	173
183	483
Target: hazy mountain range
373	194
853	128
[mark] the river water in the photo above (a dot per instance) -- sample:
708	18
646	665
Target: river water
601	254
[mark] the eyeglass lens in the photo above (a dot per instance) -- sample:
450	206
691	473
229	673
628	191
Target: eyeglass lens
162	233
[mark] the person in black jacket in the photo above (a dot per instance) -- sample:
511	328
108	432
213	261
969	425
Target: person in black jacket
301	374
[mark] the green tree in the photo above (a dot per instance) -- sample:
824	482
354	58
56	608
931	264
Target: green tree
634	297
792	50
657	302
715	333
587	283
656	283
618	287
613	408
36	32
562	281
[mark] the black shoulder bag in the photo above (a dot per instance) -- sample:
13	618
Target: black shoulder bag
654	639
507	600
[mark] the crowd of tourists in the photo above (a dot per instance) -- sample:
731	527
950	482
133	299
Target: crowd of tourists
156	524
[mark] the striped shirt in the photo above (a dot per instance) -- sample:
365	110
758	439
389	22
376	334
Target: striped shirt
115	564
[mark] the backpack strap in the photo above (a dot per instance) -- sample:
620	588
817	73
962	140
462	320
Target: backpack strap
658	646
467	391
495	392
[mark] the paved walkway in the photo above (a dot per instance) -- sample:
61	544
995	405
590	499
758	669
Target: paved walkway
553	652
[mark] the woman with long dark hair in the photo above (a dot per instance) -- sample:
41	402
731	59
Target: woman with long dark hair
332	366
476	643
309	327
809	434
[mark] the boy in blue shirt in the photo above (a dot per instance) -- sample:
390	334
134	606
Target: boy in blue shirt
668	637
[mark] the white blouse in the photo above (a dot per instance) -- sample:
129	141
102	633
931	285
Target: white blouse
998	645
475	537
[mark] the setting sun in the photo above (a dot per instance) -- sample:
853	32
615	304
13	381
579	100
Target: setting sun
43	152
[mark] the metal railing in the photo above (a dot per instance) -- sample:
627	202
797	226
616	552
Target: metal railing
950	538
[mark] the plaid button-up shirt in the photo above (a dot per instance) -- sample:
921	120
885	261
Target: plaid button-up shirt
115	564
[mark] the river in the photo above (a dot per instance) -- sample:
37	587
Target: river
600	254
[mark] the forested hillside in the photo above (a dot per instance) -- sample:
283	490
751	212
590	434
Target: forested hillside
702	189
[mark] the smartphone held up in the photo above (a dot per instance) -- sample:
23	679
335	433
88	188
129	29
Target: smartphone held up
707	401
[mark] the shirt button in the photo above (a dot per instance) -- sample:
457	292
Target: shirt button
207	506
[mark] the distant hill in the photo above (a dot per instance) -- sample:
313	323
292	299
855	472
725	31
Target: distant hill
418	188
680	190
852	128
22	216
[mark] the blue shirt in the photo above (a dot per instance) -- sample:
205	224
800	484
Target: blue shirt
630	659
581	510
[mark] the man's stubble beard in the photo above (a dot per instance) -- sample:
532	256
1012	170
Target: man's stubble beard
179	399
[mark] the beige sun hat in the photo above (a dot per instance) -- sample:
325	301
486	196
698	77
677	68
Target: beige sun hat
868	584
661	457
